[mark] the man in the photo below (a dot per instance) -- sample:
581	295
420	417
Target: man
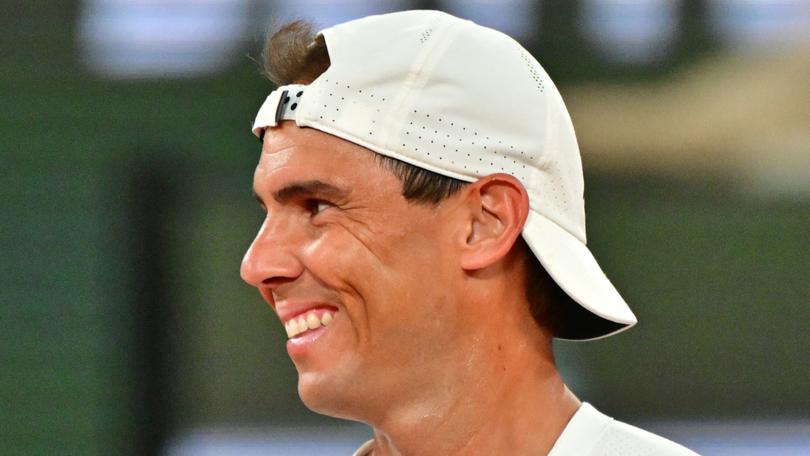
425	239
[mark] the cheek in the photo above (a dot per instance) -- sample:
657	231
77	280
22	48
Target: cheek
344	263
391	272
369	261
335	257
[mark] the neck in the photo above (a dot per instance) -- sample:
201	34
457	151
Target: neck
504	397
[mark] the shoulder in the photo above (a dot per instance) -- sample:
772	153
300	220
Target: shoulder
594	434
624	439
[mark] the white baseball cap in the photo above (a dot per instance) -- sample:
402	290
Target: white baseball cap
463	101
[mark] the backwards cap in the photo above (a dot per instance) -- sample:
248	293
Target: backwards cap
463	101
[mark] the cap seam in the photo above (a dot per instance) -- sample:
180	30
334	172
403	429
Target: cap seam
417	78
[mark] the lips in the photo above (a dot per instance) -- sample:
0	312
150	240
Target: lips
306	324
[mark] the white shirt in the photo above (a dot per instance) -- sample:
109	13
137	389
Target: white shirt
591	433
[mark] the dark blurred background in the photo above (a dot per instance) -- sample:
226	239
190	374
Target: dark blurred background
126	207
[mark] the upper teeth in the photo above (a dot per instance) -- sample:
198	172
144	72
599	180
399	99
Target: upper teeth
309	320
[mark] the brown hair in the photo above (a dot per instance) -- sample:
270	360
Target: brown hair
295	55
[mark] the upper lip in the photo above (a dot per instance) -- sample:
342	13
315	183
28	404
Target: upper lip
289	309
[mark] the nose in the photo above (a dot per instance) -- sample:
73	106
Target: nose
271	259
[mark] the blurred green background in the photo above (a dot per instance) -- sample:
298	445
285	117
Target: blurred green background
126	210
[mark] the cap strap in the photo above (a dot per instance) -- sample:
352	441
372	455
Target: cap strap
281	104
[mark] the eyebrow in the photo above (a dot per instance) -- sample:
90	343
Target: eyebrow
304	189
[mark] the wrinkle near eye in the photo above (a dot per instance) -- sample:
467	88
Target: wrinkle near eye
353	220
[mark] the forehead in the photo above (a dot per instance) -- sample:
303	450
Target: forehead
291	153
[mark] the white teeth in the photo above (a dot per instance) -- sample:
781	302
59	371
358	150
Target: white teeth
313	321
326	318
288	328
296	326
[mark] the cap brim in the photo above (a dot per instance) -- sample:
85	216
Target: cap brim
573	267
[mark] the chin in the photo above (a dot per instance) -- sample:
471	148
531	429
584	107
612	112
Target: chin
326	395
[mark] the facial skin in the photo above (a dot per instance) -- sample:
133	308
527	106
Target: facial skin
431	331
366	252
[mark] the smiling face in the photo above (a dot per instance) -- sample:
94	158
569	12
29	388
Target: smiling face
368	285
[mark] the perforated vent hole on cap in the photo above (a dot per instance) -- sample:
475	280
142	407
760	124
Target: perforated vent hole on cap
531	64
430	137
424	36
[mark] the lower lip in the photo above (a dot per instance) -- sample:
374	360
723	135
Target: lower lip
299	345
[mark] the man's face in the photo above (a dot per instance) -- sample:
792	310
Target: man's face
340	239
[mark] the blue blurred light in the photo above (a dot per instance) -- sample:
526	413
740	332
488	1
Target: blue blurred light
170	38
752	25
631	31
517	18
325	13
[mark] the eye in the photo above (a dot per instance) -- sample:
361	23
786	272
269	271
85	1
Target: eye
316	206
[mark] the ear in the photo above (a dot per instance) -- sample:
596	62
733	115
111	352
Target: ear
498	206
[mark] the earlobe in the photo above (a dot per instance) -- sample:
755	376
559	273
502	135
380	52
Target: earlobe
498	206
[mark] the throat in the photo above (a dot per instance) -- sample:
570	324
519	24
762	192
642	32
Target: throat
522	412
